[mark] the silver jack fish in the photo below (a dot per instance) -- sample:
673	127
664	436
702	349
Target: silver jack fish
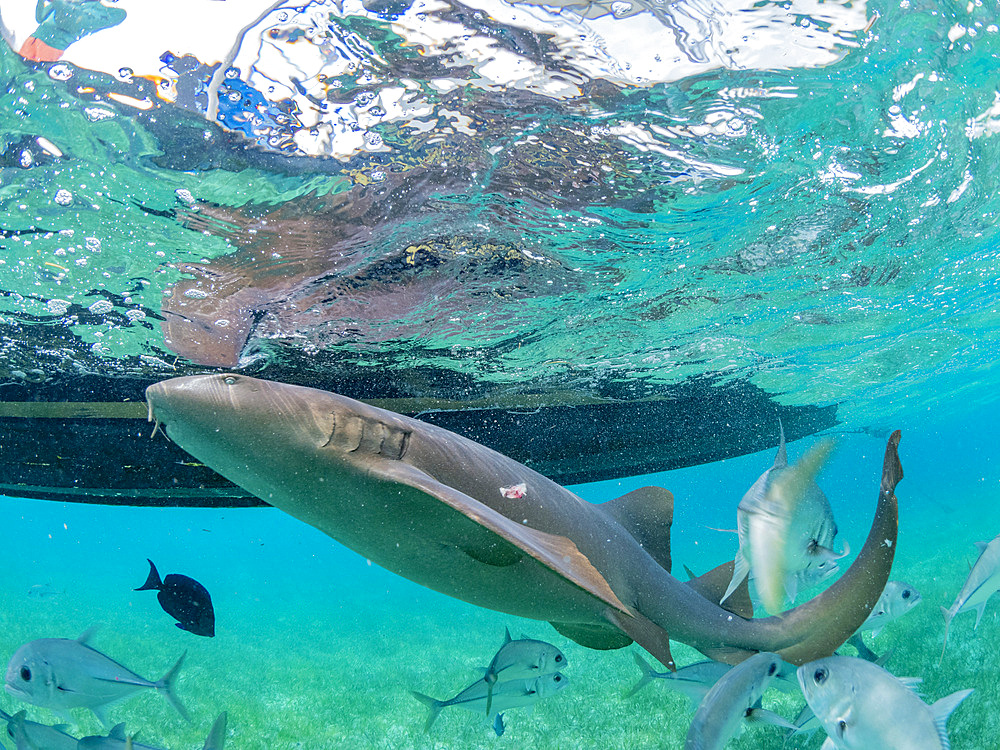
29	735
522	659
897	599
694	680
862	706
511	694
118	740
982	583
786	529
735	697
60	674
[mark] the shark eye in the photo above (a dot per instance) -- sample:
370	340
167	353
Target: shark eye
819	676
25	674
229	380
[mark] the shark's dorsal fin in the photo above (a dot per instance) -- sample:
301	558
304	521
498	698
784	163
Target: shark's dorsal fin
713	584
647	514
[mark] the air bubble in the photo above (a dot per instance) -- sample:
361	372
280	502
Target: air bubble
135	315
196	293
125	74
101	307
60	72
93	244
374	140
57	306
64	197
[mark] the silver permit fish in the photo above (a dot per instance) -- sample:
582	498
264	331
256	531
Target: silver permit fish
29	735
694	680
735	697
118	740
897	599
61	673
982	583
510	694
786	529
862	706
522	659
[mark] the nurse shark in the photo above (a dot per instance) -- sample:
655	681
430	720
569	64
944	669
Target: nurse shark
430	506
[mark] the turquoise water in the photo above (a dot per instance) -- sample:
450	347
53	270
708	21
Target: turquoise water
317	648
500	203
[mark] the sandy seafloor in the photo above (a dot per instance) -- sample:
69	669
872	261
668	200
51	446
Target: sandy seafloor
317	648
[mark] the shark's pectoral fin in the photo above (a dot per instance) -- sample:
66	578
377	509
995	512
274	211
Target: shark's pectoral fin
715	582
646	633
557	553
593	636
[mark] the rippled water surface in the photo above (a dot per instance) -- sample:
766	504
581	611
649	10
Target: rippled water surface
488	200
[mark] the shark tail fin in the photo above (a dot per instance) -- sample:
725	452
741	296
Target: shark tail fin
433	704
153	581
647	675
217	734
166	685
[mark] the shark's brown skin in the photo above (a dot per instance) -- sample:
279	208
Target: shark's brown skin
430	505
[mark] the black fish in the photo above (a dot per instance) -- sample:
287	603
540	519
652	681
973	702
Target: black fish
184	599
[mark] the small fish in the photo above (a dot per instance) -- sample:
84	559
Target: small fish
522	659
29	735
735	697
184	599
694	680
506	695
44	592
862	706
515	491
61	673
982	583
786	529
118	740
897	599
